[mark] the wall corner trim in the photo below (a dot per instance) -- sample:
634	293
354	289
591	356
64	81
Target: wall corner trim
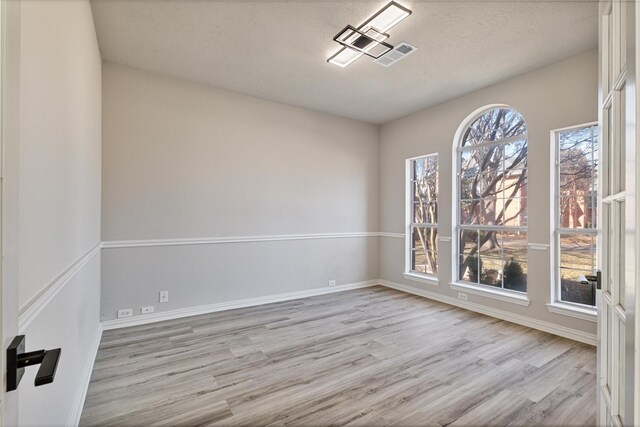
85	379
530	322
34	307
230	305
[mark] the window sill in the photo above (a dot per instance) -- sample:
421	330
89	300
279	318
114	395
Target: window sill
571	310
422	278
486	291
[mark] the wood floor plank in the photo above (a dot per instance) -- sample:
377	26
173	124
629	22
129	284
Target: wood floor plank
370	357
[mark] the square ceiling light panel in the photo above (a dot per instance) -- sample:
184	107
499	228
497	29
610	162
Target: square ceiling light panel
370	43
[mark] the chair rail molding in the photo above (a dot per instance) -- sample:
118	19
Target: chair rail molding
29	311
233	239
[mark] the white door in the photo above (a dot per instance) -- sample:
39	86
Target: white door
9	133
616	256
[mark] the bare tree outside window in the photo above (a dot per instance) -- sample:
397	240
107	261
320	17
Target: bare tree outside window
424	214
492	196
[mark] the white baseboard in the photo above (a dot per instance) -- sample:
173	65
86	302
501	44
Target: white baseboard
499	314
85	378
212	308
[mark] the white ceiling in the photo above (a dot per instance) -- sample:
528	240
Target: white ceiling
278	49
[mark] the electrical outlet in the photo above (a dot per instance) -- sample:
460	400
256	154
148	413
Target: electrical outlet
164	296
127	312
146	310
332	282
462	296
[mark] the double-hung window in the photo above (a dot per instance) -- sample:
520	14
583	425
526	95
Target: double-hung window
422	216
576	214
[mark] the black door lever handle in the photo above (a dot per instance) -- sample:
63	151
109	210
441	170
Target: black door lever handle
597	278
48	367
18	360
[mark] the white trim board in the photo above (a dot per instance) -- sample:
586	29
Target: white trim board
233	239
394	235
34	307
499	314
85	379
212	308
573	311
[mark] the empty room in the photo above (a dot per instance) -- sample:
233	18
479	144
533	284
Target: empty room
319	213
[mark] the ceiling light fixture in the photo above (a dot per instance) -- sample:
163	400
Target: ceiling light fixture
369	38
370	43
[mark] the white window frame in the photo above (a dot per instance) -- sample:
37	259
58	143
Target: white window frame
431	279
556	305
515	297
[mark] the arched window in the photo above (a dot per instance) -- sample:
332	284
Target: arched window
491	181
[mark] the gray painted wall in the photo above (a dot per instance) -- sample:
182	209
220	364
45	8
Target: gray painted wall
553	97
59	196
184	161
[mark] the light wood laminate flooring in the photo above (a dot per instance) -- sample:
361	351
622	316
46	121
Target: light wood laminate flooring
371	356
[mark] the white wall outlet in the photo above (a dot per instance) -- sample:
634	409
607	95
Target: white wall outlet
462	296
146	310
332	282
164	296
127	312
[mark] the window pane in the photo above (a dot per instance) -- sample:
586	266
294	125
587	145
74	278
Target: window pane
493	125
491	244
578	251
432	175
622	221
470	188
425	213
468	263
425	250
414	191
470	211
621	144
515	274
468	242
419	169
490	161
575	288
470	162
468	268
577	260
425	190
488	216
513	212
578	212
491	271
577	177
515	155
514	183
515	246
